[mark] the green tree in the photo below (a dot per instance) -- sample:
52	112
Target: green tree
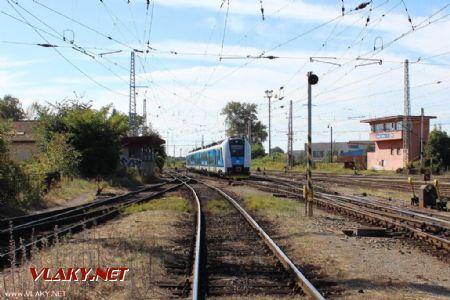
236	118
16	192
258	150
10	108
96	134
57	154
277	150
438	148
3	139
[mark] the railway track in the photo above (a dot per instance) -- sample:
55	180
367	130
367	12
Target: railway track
34	230
429	227
380	182
234	256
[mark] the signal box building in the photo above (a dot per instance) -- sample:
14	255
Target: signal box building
387	133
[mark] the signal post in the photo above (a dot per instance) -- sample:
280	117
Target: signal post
308	188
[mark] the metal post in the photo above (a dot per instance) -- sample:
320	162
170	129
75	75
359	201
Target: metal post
406	118
312	79
269	94
270	130
249	131
288	161
167	144
331	145
421	138
291	146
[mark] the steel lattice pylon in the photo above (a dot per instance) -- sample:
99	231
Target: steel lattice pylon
132	111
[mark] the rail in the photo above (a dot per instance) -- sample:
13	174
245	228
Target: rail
80	222
301	279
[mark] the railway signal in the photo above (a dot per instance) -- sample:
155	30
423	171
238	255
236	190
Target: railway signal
309	194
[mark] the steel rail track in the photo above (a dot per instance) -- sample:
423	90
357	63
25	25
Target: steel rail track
43	216
287	263
432	220
375	215
420	219
69	216
396	183
84	221
195	287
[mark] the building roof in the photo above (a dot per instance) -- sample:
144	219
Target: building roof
23	131
352	153
395	118
361	143
142	141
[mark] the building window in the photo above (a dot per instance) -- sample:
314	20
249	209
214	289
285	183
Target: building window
318	154
382	163
379	127
392	151
399	125
353	147
389	126
398	151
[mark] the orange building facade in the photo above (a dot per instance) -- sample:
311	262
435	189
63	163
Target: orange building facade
387	133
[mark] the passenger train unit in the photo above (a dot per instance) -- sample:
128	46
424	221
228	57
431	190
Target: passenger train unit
228	158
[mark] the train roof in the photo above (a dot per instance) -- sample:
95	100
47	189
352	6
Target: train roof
214	144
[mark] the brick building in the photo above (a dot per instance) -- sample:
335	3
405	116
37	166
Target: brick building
387	133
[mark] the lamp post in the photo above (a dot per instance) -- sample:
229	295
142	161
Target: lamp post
309	195
269	94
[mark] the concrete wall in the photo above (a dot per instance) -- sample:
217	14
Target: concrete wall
388	155
146	166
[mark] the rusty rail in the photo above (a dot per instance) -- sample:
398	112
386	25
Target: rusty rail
302	281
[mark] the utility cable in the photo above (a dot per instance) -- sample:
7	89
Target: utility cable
60	54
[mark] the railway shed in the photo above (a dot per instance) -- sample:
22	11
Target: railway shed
138	152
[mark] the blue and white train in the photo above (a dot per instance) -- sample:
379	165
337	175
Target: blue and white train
228	158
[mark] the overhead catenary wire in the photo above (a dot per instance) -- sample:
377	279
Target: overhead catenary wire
62	55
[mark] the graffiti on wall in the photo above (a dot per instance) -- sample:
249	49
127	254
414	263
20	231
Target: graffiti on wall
131	162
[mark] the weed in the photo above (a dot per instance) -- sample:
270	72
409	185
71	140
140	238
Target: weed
261	202
166	203
215	206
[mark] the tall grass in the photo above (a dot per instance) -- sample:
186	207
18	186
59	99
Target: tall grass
259	202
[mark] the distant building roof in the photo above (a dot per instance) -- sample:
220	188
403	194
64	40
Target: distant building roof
357	152
361	143
395	118
142	141
23	131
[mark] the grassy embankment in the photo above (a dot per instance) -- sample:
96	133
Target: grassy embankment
82	190
277	162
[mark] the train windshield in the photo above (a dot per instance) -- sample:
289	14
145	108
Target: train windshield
237	147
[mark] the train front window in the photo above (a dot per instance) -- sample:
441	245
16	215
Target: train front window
237	148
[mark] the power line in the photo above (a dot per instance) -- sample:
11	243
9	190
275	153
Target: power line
65	58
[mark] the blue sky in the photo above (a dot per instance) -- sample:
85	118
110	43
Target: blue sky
186	91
